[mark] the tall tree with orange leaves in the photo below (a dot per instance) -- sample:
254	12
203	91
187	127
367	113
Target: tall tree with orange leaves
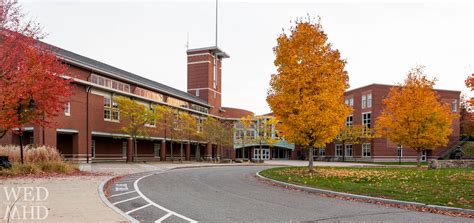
470	84
306	93
414	114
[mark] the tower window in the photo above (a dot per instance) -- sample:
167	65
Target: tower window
197	92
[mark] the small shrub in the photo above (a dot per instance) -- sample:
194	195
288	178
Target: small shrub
40	159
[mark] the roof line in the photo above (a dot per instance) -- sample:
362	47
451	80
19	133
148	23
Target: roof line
393	85
125	75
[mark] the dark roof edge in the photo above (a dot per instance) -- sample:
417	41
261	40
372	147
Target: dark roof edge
392	85
77	62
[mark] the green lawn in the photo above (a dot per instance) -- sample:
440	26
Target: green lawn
392	163
448	187
468	150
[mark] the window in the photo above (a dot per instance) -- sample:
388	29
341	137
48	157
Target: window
32	140
366	120
197	92
152	122
349	150
124	149
156	150
106	82
67	108
200	124
364	101
454	105
177	102
199	108
339	150
369	100
349	120
366	150
349	102
322	151
111	111
148	94
315	152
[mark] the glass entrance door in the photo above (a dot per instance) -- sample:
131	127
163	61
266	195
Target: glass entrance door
261	154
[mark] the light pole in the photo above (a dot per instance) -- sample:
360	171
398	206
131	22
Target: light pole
400	151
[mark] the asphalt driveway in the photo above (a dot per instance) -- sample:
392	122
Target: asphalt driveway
233	194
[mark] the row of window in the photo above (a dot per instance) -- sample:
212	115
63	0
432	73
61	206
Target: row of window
366	101
148	94
366	120
117	85
106	82
349	150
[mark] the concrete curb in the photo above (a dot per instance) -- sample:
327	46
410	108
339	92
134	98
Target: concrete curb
108	204
384	200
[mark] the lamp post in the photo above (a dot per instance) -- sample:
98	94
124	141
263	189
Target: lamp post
400	154
31	105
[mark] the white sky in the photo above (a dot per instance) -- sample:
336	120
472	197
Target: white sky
381	41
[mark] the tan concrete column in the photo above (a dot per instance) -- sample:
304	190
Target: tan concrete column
208	155
188	151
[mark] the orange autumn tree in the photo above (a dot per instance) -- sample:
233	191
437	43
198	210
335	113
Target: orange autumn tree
414	115
306	93
470	84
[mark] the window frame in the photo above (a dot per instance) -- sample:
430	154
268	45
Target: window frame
369	100
67	109
364	123
366	152
364	101
346	149
338	147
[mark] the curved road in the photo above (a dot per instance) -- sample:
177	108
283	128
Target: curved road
233	194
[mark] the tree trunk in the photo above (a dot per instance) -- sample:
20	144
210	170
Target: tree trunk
310	159
343	151
172	157
181	153
418	158
135	149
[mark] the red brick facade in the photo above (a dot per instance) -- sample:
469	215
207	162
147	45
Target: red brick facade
382	149
85	134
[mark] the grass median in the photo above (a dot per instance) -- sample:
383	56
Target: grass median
447	187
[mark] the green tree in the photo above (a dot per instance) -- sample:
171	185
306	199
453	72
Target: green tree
244	132
306	93
188	129
210	132
134	116
166	122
